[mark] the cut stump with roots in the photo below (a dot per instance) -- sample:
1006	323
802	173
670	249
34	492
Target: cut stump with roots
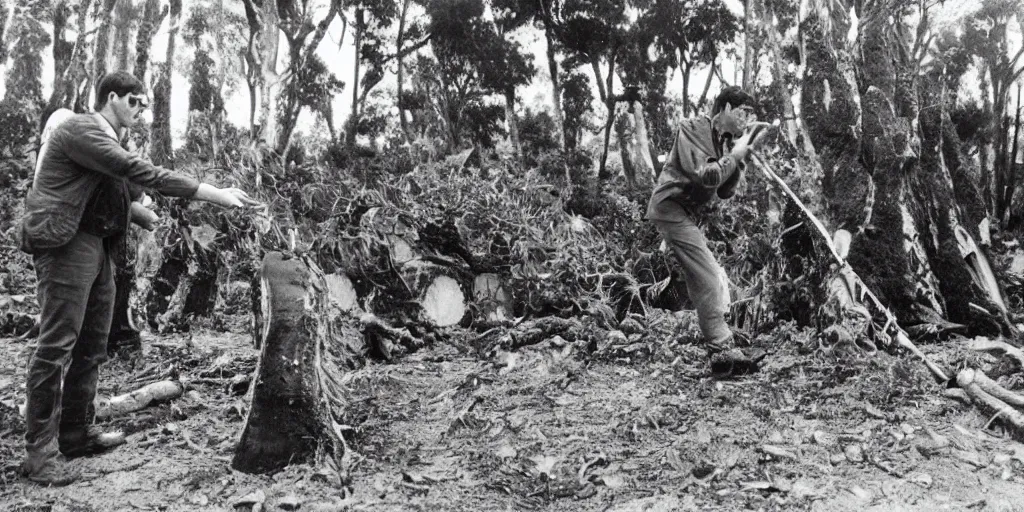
307	344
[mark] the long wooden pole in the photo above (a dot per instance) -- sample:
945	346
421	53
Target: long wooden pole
891	327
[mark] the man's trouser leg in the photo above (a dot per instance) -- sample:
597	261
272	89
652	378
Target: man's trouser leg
701	273
76	293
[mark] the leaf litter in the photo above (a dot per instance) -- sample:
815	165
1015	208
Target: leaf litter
549	427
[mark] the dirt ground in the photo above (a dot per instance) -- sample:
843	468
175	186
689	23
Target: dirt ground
551	427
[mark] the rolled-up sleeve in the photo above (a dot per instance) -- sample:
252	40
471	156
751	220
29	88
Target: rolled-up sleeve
93	149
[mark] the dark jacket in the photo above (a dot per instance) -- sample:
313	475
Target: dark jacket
694	173
80	157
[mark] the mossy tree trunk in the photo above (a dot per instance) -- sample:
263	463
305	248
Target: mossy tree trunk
901	203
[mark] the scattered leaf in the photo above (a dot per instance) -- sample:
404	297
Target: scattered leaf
778	452
922	479
506	451
854	453
250	499
613	481
289	502
544	464
873	411
823	438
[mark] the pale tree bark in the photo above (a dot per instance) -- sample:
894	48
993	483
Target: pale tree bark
125	15
353	120
68	58
261	57
707	86
101	42
152	16
162	150
779	81
1012	167
401	71
513	125
556	85
751	44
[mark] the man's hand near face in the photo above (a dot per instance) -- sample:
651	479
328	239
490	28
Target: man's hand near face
754	135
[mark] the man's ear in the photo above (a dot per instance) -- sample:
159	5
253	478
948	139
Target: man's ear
111	96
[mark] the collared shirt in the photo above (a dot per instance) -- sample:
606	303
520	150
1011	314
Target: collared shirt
79	155
693	174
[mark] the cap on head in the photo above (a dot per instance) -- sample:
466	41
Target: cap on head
117	82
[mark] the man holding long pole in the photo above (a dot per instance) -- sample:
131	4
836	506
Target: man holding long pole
706	160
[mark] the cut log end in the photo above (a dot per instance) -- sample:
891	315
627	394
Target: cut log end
443	302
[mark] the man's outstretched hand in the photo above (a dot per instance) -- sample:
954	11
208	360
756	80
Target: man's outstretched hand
238	198
230	197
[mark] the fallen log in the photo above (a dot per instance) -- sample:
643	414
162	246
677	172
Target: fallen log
969	381
139	399
307	343
983	344
993	388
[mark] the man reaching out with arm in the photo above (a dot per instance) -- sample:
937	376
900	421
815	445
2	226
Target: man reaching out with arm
67	231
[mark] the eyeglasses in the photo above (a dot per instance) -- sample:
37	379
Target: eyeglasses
134	101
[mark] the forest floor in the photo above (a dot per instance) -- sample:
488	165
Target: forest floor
550	427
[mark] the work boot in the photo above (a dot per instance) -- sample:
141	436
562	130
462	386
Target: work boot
89	440
49	469
734	362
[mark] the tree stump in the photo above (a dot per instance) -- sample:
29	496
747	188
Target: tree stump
307	343
176	269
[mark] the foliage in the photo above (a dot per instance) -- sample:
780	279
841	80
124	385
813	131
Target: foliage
576	103
538	135
472	62
18	124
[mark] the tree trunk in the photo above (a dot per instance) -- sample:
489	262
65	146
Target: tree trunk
513	125
607	97
162	150
875	168
779	83
124	21
102	41
707	87
685	70
66	58
750	44
296	400
152	17
353	120
400	58
556	85
987	149
1011	182
270	92
625	155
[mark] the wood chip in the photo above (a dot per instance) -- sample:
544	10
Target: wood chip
778	452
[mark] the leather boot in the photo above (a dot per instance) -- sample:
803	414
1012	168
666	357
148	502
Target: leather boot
88	440
49	468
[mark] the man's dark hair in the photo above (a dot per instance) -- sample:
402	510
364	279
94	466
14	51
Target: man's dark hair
120	83
734	96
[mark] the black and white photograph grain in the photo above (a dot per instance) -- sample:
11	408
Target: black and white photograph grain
511	255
